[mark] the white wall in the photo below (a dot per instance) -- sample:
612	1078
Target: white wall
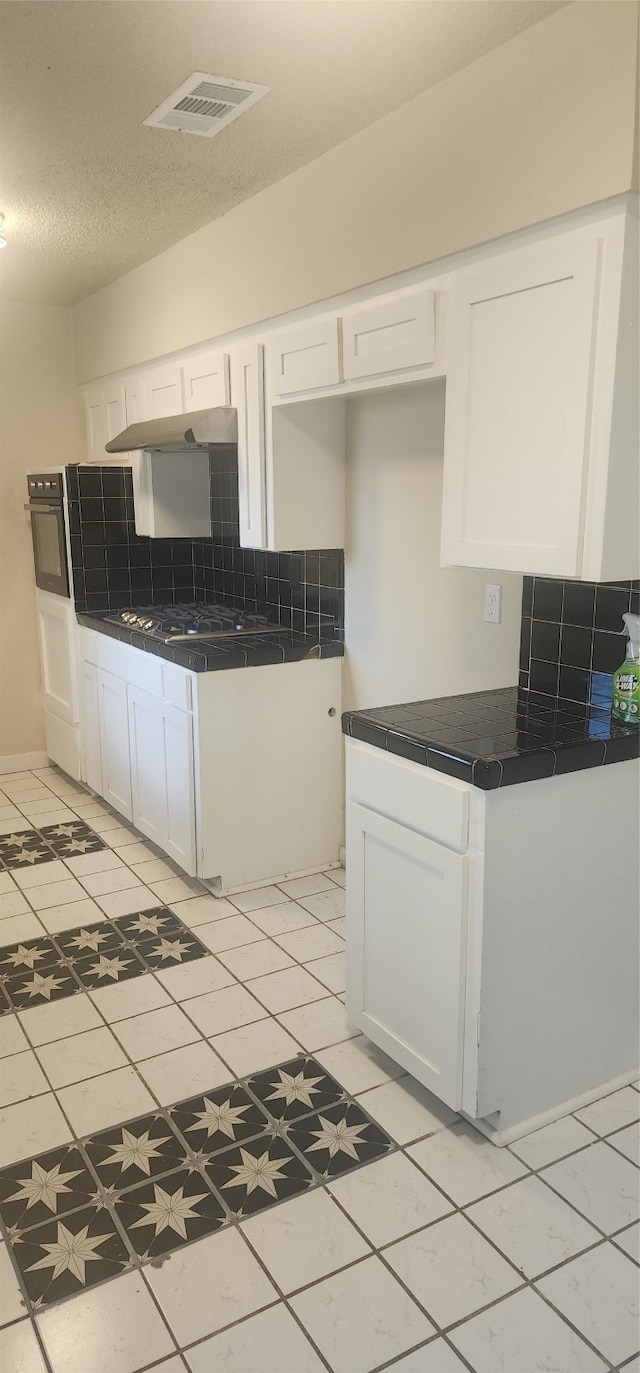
41	426
538	127
414	629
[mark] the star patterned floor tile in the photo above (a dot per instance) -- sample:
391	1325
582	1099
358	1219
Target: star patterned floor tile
72	839
105	969
338	1139
39	988
150	925
33	1191
21	958
64	1256
97	938
24	848
257	1174
295	1089
136	1152
212	1122
159	1216
169	950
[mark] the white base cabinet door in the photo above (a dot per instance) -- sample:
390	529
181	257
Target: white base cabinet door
162	787
406	946
90	716
114	742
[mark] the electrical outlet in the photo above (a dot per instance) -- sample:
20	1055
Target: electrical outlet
493	603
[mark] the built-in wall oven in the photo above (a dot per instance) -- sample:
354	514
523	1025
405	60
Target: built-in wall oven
56	618
46	507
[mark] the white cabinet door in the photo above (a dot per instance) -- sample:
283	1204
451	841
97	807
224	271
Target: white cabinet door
56	626
90	735
161	391
162	780
406	928
180	836
115	409
114	742
205	380
247	394
106	415
305	357
389	335
521	338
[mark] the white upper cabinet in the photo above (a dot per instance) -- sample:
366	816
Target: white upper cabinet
106	414
247	395
205	380
161	391
394	333
305	358
539	474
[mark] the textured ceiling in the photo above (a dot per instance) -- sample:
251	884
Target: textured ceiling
88	192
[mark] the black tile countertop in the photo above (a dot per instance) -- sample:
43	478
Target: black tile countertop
496	738
242	650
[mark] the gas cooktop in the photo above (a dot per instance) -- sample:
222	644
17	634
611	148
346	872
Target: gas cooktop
193	620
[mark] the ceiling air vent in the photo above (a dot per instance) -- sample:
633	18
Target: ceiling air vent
205	104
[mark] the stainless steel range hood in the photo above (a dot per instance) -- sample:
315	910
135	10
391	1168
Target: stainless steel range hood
173	434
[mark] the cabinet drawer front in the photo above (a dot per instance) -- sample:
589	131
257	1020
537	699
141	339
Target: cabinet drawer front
133	665
177	687
305	358
409	793
390	334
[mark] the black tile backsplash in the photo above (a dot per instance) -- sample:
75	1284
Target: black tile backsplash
572	637
113	567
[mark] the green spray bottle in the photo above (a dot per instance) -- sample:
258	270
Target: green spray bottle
626	681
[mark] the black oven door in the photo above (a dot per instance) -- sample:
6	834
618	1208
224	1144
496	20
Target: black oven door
49	551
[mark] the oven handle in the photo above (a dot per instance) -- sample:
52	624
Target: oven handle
45	509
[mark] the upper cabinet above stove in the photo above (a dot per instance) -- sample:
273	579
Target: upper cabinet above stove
541	423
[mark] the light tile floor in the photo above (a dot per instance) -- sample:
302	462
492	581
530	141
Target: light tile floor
444	1254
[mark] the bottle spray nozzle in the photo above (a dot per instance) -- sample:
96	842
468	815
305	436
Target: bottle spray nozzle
632	625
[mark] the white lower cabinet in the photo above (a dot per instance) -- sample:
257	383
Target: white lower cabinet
486	945
237	775
114	742
161	749
408	896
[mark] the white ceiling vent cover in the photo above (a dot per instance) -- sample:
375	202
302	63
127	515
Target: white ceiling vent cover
204	104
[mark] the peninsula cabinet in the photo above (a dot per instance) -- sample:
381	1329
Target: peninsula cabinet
541	420
487	935
212	766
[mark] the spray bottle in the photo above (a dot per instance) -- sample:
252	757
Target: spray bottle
626	681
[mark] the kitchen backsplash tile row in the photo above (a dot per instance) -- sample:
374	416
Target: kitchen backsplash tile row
114	567
572	636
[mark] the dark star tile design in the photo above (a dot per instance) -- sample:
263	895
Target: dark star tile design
257	1174
79	1214
155	924
94	955
34	1191
211	1123
104	969
96	938
39	988
135	1153
296	1089
171	949
162	1215
23	958
24	848
339	1139
72	838
63	1256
